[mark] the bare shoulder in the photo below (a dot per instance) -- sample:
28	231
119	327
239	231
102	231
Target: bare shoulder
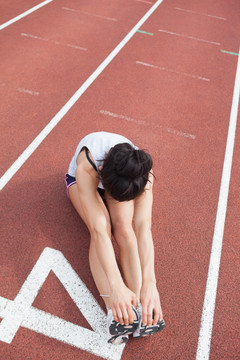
146	198
149	186
150	179
86	175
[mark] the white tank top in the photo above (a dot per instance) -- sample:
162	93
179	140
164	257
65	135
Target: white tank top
99	144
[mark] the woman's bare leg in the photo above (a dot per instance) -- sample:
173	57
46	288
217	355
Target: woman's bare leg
98	273
121	214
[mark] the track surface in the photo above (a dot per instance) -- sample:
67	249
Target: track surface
171	93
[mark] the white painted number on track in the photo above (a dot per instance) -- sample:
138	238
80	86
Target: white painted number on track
20	311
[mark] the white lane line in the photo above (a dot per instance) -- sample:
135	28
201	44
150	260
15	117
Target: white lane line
27	91
200	13
90	14
63	111
52	41
172	71
30	11
188	37
144	123
205	335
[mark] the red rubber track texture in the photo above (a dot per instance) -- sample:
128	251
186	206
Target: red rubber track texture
166	108
12	8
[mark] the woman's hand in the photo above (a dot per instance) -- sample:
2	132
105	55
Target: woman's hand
150	301
121	301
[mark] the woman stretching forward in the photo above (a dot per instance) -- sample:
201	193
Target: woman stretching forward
110	184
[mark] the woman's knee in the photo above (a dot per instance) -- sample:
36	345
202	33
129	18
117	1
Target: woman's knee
102	226
123	232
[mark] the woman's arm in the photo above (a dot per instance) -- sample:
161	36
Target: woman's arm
121	297
149	296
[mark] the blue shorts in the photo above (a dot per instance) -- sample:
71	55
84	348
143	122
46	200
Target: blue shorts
70	180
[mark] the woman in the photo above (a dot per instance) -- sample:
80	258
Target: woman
110	182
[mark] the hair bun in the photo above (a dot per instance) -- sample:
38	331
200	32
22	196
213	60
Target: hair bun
131	163
125	171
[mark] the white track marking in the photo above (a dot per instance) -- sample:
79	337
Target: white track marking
75	47
51	125
34	37
20	311
205	335
100	16
68	9
189	37
26	91
172	71
19	17
144	1
144	123
90	14
200	13
22	90
181	133
52	41
123	117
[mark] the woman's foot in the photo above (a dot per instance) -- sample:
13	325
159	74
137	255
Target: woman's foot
117	333
142	331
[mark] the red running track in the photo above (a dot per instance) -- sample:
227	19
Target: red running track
171	93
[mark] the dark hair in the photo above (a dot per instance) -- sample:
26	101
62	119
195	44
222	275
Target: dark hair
125	171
